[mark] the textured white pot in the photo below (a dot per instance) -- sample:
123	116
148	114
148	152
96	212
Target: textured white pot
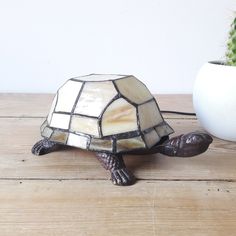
214	99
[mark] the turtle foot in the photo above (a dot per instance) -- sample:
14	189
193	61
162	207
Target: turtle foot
187	145
122	177
115	164
44	146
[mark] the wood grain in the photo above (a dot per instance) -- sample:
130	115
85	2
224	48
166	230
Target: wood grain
68	192
97	208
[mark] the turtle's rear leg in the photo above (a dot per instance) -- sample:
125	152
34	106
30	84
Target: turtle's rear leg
115	164
44	146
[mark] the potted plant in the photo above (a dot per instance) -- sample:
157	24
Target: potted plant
214	95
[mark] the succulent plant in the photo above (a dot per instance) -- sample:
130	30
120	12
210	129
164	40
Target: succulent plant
231	45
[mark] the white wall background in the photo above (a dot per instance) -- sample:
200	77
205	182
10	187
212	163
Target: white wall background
162	42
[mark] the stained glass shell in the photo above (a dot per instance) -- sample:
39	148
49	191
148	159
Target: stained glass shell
110	113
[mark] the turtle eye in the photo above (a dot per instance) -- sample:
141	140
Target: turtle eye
194	139
189	140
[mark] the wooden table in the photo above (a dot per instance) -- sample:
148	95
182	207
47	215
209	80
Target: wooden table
69	193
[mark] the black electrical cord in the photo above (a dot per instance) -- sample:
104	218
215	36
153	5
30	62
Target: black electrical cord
180	113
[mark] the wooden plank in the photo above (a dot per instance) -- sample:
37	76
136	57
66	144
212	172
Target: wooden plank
35	200
24	105
152	208
16	161
178	102
38	105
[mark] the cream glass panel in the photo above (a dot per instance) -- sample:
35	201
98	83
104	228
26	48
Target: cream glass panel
149	115
133	89
67	95
60	121
151	138
77	141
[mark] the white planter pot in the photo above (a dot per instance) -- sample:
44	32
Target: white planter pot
214	99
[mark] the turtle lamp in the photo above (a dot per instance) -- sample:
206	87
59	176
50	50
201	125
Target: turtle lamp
113	115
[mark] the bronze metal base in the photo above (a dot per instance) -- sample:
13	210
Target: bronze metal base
185	145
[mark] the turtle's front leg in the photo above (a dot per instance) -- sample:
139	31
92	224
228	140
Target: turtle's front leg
44	146
115	164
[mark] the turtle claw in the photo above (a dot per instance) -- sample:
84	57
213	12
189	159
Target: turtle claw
122	177
43	146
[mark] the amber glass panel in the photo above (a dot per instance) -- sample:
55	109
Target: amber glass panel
59	136
129	144
94	98
101	144
119	117
84	125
